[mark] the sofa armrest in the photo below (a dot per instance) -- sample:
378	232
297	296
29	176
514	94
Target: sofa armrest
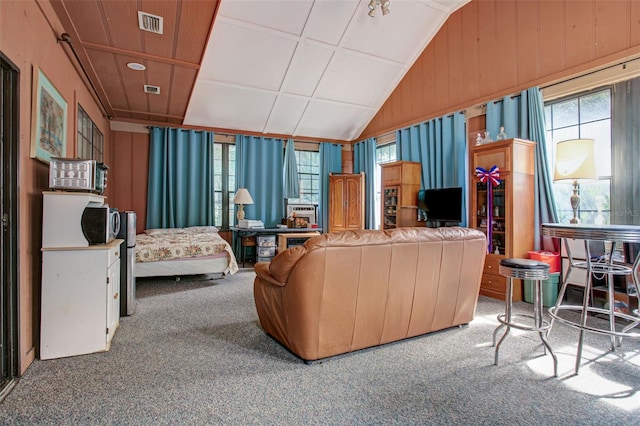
282	265
262	271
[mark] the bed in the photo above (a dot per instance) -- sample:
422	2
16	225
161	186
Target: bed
183	251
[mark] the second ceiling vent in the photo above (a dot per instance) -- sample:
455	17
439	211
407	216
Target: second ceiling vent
149	22
154	90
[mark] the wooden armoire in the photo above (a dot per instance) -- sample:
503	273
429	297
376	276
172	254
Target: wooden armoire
346	202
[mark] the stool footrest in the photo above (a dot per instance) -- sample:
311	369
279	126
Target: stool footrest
520	326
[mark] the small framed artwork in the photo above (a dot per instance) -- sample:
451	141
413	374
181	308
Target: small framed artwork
49	119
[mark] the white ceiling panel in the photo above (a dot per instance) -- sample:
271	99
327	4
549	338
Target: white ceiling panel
309	68
332	120
408	21
286	114
268	13
253	58
230	107
329	20
357	79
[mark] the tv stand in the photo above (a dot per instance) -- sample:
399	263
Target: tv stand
441	223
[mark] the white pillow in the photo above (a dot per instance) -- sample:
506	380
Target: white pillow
201	229
164	231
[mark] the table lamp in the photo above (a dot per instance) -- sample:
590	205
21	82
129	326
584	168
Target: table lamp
241	198
575	163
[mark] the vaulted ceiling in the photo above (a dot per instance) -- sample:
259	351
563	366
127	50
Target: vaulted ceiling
306	68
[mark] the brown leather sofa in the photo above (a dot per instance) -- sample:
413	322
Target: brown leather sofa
345	291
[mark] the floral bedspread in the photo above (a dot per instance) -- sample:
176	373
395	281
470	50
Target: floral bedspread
151	248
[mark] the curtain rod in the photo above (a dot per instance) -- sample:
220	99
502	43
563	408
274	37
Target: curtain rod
67	39
623	63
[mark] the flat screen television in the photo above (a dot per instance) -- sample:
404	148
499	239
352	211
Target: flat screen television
441	205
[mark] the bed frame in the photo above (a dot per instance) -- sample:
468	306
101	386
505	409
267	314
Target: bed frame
164	268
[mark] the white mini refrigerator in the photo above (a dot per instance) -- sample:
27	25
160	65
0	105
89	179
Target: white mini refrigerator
80	303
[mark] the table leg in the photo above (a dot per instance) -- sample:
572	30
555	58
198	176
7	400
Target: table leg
585	306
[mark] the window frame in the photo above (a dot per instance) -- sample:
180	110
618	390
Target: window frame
562	206
227	180
314	178
89	138
389	144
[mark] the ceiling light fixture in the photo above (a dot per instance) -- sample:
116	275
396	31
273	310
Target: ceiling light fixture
384	6
136	66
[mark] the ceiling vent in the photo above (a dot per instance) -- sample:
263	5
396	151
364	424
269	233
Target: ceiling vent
154	90
149	22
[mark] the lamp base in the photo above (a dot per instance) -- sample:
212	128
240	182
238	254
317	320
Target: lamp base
575	202
240	214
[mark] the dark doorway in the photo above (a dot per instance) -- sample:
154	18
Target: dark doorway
9	84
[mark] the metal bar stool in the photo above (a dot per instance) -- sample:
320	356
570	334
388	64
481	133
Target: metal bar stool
530	270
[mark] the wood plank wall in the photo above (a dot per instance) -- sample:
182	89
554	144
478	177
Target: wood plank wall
128	176
491	48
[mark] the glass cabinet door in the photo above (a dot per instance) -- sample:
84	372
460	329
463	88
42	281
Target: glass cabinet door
497	217
390	207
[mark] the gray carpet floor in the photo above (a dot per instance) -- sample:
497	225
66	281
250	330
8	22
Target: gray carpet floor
194	353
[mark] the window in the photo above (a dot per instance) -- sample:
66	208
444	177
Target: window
224	171
384	154
90	139
582	116
308	176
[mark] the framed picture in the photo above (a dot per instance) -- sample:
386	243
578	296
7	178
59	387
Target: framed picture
49	119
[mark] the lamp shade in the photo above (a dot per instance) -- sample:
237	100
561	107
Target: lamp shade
242	197
576	161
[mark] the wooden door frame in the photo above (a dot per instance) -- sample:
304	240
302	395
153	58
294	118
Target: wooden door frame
9	270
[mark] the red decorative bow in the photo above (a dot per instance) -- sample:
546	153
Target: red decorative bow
493	175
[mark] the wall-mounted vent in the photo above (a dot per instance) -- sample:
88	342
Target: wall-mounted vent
149	22
154	90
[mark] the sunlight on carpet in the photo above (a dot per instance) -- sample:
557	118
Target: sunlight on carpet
594	378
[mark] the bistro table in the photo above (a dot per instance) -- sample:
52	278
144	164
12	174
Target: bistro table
614	234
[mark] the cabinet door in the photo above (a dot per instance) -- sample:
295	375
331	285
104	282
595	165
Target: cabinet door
389	207
354	203
337	200
74	310
113	299
498	218
494	157
392	174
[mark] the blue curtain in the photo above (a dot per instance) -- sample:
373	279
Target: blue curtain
290	172
180	187
440	146
259	162
364	160
522	116
330	162
625	153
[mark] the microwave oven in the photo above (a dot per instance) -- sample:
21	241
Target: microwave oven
100	225
78	175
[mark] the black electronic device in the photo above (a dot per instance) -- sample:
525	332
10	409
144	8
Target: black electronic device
442	205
